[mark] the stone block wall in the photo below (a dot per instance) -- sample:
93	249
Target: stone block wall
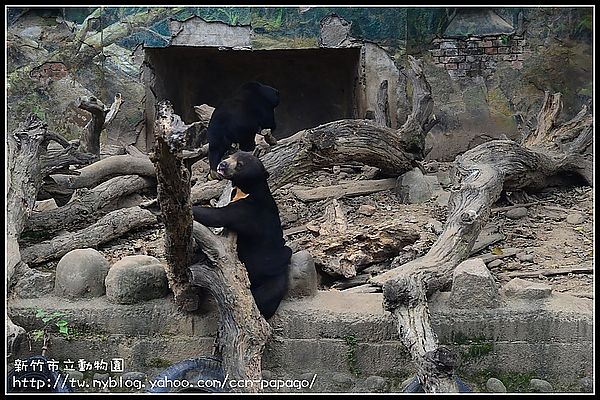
478	56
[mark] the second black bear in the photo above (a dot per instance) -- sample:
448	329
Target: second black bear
239	118
254	216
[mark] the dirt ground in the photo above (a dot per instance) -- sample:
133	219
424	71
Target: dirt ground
556	232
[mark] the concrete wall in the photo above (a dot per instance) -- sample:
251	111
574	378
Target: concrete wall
550	339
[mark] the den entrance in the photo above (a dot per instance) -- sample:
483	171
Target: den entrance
316	85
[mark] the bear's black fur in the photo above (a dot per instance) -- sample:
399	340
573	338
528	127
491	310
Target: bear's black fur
255	219
239	118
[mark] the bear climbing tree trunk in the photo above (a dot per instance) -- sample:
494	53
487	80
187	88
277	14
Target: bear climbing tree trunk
243	332
173	188
479	176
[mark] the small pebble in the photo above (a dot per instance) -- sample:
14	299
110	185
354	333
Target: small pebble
575	219
516	213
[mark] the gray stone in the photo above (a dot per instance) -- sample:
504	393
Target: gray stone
366	209
335	31
494	385
136	278
516	213
413	187
33	284
72	374
134	376
523	289
302	275
342	380
495	263
375	383
45	205
540	386
473	286
443	178
575	219
405	383
525	257
266	374
80	274
586	385
435	226
100	377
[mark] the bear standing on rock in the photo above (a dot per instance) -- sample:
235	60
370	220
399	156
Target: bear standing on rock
239	118
254	216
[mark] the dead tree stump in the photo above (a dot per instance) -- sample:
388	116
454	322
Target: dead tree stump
479	176
174	197
101	116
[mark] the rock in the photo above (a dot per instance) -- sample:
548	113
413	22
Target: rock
435	226
341	380
366	209
33	284
586	385
540	386
516	213
523	289
494	385
136	278
413	187
575	219
80	274
495	263
302	275
473	286
525	257
266	374
44	205
336	169
405	383
442	198
431	167
443	178
72	374
101	377
134	376
375	384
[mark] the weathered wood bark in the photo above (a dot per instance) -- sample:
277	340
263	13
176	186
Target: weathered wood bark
382	111
243	332
479	175
392	151
26	145
90	140
349	189
86	204
105	169
111	226
174	197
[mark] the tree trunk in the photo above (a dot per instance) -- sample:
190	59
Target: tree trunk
26	145
382	112
479	175
392	151
90	140
87	204
243	332
174	197
111	226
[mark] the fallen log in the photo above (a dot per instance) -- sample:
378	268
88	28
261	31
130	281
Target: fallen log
109	227
350	189
86	204
550	272
105	169
479	175
174	197
243	332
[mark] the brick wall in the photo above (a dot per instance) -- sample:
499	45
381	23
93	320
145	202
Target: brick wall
477	56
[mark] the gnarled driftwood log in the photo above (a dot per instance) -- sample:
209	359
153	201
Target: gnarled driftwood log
479	176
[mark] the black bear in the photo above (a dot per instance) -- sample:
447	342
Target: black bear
239	118
254	216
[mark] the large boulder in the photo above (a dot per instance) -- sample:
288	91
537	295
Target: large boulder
136	278
413	187
473	286
80	274
302	275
